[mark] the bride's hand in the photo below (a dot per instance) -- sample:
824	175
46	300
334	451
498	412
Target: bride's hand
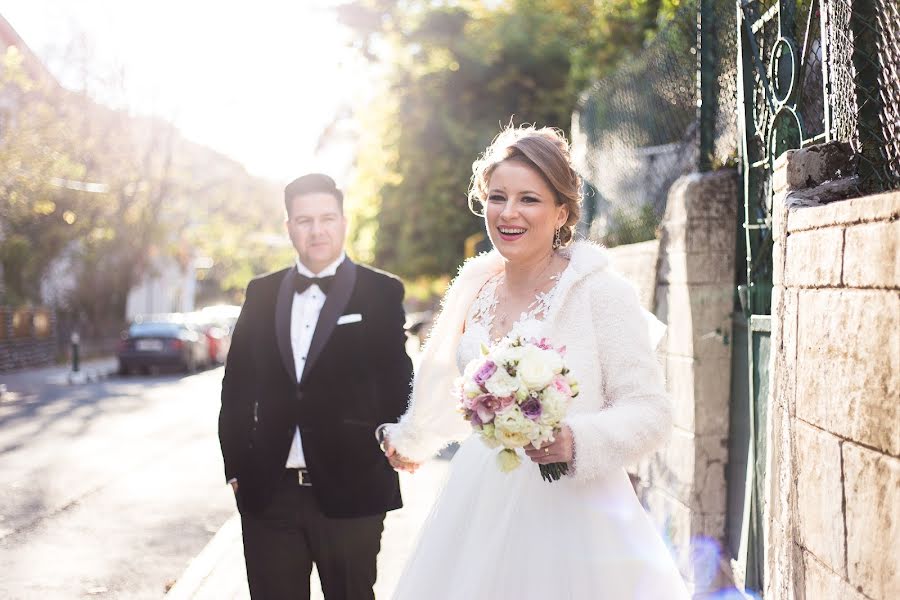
560	450
400	463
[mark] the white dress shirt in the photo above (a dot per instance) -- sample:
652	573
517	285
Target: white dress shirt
304	316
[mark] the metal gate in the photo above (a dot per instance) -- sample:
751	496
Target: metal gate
782	87
809	71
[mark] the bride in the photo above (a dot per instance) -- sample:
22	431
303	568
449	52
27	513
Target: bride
495	535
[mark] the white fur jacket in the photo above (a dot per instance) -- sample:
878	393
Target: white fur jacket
622	411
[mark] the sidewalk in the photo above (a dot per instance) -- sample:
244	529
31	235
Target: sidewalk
90	370
218	573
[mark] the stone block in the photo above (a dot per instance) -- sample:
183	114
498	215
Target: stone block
699	318
784	346
673	520
680	385
703	195
637	263
673	236
713	526
780	497
708	236
678	466
813	258
837	190
820	583
879	207
812	166
872	255
782	583
848	364
872	489
709	486
709	571
683	268
779	253
675	305
820	518
712	396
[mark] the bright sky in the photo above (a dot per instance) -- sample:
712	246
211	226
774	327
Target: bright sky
257	80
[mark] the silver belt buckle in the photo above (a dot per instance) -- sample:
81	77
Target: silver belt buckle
303	477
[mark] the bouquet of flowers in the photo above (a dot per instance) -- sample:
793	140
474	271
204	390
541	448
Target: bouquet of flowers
515	394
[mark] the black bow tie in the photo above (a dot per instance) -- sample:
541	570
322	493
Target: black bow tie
302	283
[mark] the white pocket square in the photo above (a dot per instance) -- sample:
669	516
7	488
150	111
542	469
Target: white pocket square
352	318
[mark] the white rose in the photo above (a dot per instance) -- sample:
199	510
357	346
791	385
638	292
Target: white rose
543	435
471	389
508	355
534	368
554	360
554	404
513	429
511	440
501	384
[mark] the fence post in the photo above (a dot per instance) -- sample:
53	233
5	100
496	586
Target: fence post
76	343
872	163
707	83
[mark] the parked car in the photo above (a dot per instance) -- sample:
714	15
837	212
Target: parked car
218	334
162	341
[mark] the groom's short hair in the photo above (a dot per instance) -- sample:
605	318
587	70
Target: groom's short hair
312	183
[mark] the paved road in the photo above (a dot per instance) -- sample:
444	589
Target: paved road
107	489
218	572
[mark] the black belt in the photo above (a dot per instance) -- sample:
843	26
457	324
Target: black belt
298	476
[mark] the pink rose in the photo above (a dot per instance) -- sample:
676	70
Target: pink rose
561	385
543	343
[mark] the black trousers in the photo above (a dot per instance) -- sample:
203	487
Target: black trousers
282	543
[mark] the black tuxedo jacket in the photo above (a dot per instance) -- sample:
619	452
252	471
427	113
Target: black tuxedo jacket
357	376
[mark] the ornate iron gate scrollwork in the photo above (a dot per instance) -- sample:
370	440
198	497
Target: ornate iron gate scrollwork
782	91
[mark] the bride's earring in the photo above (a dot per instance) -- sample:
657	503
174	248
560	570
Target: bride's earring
557	242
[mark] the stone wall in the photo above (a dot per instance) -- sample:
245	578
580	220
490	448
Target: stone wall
27	338
638	263
692	269
832	506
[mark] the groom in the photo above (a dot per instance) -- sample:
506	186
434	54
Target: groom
317	361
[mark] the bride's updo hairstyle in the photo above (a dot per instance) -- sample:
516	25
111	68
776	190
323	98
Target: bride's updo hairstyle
546	151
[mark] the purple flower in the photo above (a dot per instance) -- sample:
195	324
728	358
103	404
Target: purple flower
484	372
486	406
532	408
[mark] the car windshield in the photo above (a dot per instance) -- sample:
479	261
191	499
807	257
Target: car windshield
154	329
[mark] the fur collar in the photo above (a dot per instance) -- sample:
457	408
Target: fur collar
585	258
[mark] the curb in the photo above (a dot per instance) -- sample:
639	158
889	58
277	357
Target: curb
200	570
87	375
92	371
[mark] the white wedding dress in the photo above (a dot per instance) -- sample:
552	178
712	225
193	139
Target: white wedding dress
498	536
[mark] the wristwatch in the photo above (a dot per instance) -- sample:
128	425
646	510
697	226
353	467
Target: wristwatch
380	435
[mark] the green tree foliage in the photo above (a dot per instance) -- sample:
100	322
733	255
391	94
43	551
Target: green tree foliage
106	193
457	73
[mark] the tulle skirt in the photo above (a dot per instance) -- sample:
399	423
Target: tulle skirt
499	536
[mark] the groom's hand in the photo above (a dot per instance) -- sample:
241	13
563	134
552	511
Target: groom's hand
234	486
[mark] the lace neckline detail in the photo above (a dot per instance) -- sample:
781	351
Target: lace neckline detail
484	308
